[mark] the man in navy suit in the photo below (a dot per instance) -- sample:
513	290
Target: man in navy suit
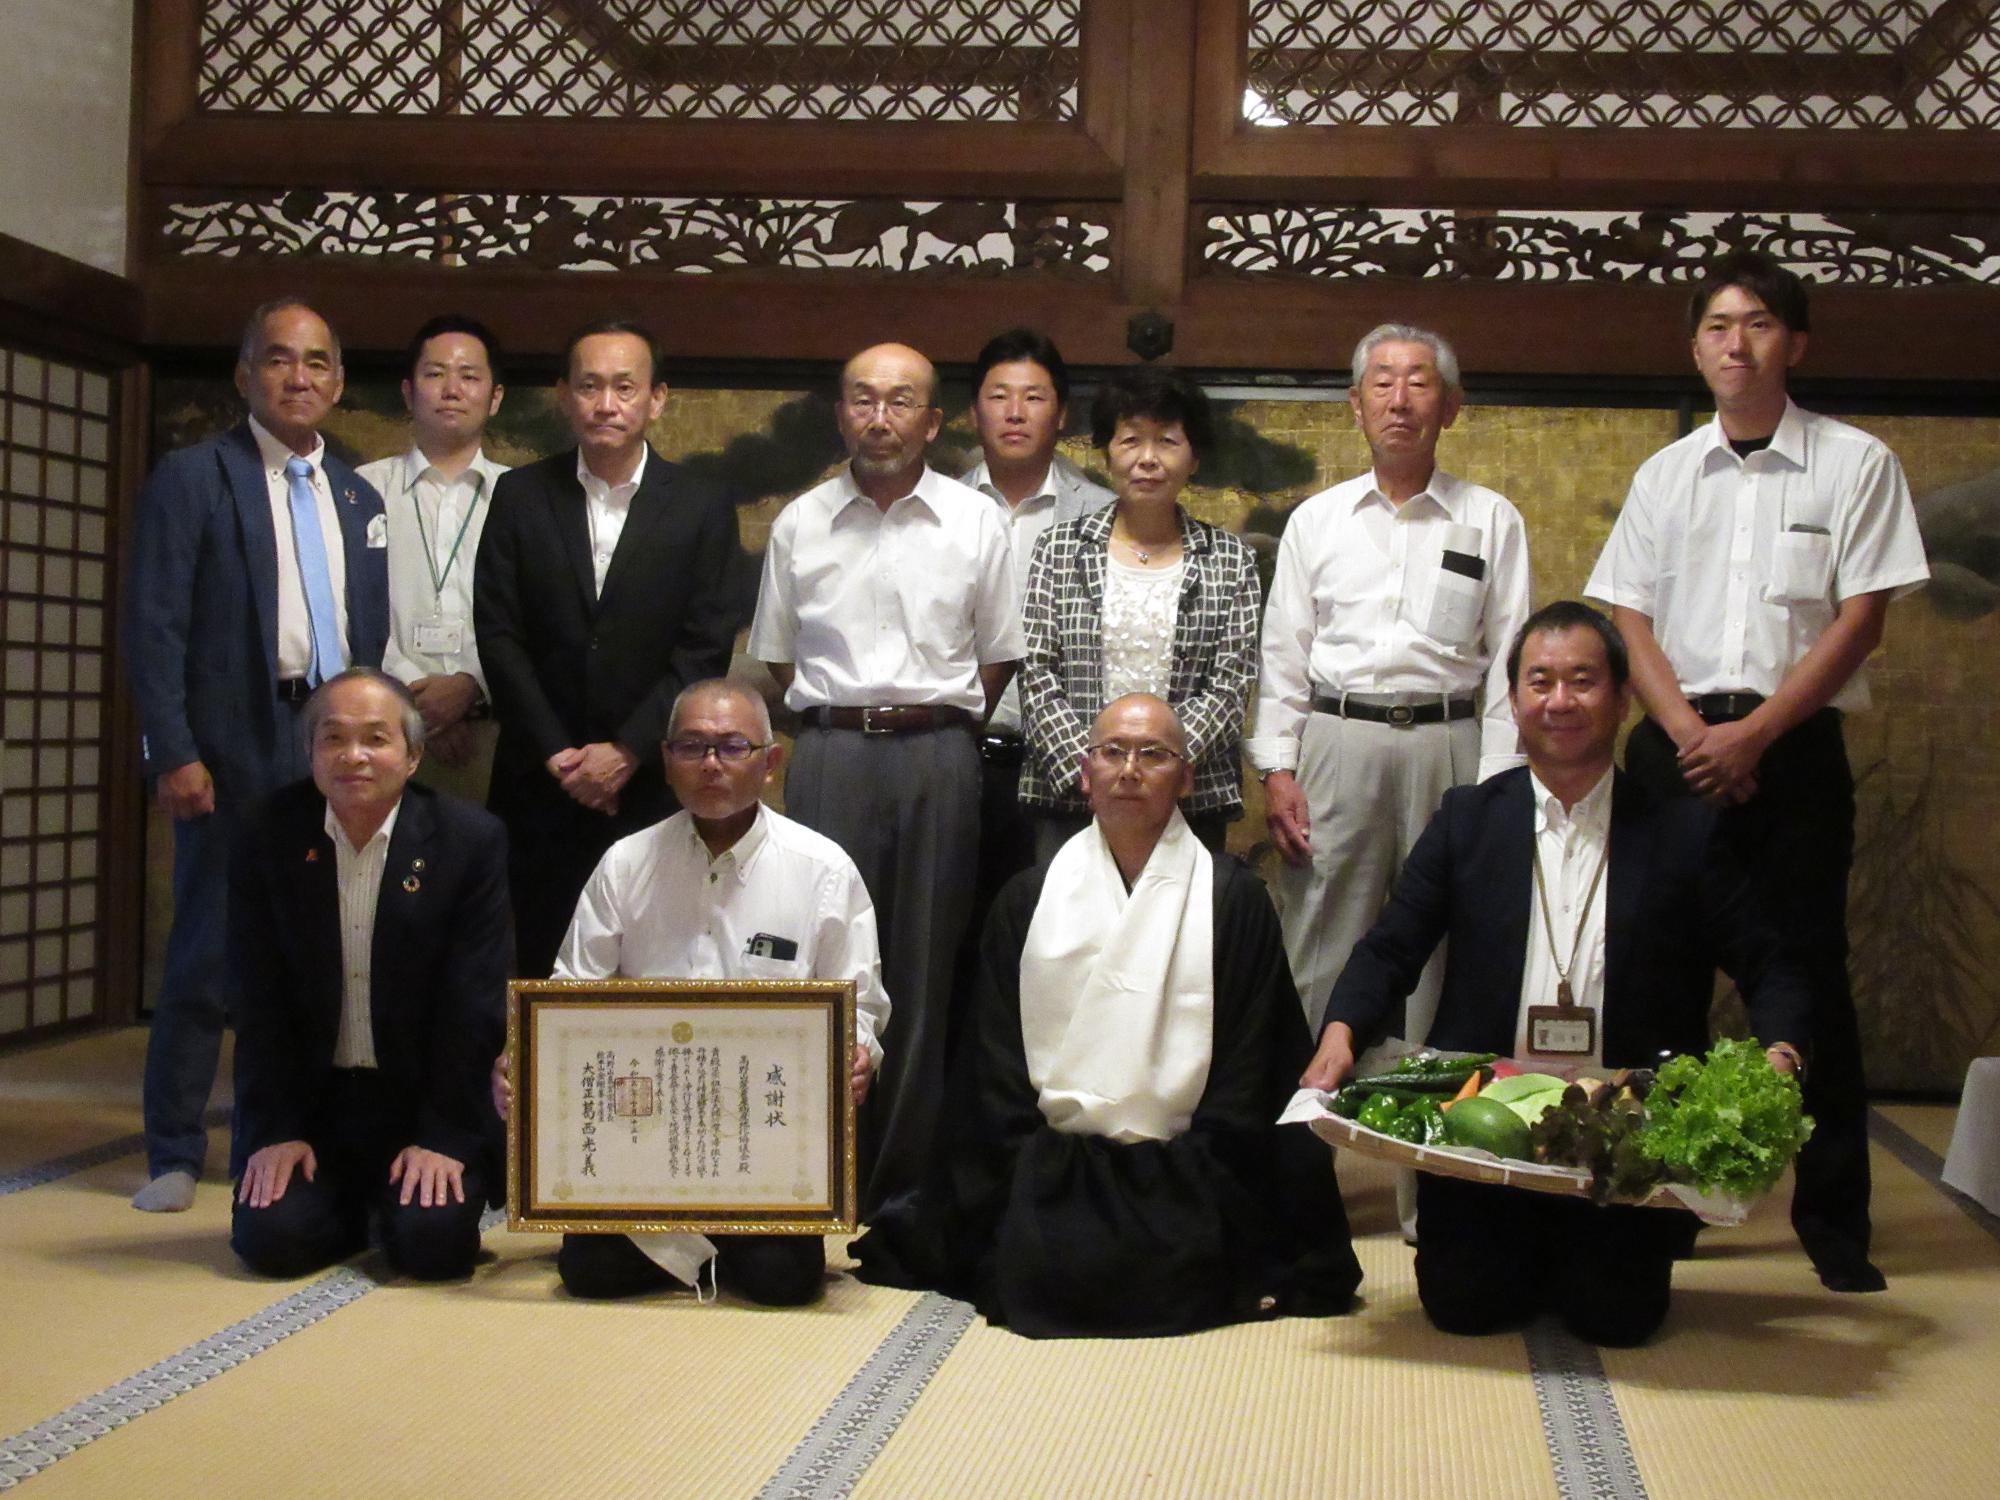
1586	921
369	941
608	579
258	572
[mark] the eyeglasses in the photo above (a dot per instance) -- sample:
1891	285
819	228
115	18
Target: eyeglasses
1153	757
690	750
898	408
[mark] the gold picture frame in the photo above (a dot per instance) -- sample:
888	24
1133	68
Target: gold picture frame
708	1106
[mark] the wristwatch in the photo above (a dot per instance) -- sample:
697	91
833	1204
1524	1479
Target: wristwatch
1798	1058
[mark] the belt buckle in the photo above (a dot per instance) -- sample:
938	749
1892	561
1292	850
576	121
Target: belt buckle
868	724
1402	715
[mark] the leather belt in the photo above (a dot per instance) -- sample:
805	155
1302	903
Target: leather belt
912	718
1726	705
1401	710
293	690
999	747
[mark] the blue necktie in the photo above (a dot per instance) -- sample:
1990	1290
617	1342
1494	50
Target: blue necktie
329	651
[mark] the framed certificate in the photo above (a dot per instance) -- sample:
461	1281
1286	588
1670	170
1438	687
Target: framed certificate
659	1104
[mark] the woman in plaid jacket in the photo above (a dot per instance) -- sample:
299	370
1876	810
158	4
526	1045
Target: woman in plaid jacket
1139	597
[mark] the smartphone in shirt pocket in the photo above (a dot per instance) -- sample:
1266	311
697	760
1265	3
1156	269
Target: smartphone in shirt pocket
767	956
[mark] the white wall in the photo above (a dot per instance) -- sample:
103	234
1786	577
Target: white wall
65	113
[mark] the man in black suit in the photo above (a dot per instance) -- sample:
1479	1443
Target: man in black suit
1562	886
369	946
607	580
258	572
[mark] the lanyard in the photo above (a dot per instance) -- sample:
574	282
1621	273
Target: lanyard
430	556
1565	997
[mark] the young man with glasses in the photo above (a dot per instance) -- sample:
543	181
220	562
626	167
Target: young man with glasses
887	614
724	889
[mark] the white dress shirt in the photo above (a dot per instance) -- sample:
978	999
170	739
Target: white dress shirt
431	591
1025	524
1571	846
358	877
658	907
1742	563
295	651
1359	605
875	607
606	507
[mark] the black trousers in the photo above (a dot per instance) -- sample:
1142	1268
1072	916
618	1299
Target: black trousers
356	1135
1796	839
1491	1258
777	1270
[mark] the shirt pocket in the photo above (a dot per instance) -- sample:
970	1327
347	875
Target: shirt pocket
1458	591
1801	566
776	970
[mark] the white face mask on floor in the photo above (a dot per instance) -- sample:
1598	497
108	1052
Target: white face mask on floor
682	1257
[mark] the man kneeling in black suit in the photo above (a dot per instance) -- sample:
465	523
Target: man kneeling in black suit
369	942
1562	885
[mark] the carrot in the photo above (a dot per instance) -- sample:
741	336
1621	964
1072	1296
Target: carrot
1470	1088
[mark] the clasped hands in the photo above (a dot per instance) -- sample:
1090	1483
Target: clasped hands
444	700
1719	762
594	774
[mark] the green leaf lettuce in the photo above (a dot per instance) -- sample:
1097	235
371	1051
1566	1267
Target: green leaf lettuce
1728	1125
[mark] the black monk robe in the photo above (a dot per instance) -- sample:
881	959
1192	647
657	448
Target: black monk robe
1059	1235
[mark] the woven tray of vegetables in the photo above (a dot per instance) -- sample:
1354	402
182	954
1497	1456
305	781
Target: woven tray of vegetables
1711	1134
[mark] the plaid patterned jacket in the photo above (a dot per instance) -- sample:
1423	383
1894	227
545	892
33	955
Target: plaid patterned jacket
1062	676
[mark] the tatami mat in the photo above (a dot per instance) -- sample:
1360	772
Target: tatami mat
63	1097
1927	1124
1376	1404
502	1386
1761	1384
1762	1373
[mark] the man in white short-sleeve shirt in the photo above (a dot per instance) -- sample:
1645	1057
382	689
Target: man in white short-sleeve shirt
724	889
1750	572
887	613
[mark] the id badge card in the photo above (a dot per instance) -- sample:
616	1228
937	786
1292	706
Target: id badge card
1562	1030
438	636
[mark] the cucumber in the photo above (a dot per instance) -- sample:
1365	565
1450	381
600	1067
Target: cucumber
1445	1082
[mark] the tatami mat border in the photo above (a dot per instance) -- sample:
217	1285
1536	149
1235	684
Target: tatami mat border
831	1458
1928	1165
1588	1448
26	1454
58	1167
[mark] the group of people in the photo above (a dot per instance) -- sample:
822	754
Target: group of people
1021	702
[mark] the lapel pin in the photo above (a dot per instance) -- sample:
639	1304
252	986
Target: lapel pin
349	496
312	856
417	866
412	884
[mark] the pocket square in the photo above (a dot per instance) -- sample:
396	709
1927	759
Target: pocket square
378	531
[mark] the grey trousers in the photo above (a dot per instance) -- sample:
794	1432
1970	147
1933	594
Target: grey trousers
905	807
1370	789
